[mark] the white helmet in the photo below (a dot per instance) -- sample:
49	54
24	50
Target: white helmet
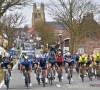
37	55
25	57
7	55
68	54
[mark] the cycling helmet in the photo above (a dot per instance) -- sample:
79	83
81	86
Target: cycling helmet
7	55
42	56
97	54
59	52
26	57
83	57
68	54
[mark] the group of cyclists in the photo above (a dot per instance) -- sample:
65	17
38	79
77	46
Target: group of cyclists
57	60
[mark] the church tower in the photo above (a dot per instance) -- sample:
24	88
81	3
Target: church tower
38	14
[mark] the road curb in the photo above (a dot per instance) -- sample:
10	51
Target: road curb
2	83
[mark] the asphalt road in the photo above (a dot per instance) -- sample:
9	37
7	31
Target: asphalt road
17	83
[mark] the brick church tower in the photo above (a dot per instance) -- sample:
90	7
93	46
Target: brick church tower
38	14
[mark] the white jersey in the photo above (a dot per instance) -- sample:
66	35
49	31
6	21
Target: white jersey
2	51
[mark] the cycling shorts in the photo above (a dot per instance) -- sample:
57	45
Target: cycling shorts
43	67
70	64
97	62
60	64
27	67
89	63
81	64
52	64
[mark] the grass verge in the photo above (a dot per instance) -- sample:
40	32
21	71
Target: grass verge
1	71
41	52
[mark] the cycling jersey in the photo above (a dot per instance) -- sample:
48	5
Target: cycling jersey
96	58
83	60
59	59
5	62
43	63
27	64
52	59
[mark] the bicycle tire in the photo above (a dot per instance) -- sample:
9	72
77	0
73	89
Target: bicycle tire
43	81
89	75
69	78
82	76
26	80
7	80
59	76
51	77
38	79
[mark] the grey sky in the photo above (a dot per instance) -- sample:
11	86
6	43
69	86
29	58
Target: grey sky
27	11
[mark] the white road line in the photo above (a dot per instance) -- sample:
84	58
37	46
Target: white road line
2	83
58	85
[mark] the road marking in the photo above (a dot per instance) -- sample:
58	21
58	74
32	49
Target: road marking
2	83
58	85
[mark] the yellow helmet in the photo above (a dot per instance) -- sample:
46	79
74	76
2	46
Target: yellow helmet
97	54
59	52
83	56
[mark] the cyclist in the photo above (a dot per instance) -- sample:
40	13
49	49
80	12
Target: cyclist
69	63
76	59
6	65
97	60
52	62
82	62
26	64
59	50
52	48
43	65
60	60
89	63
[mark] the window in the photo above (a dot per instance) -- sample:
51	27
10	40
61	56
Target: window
94	35
87	34
39	15
35	15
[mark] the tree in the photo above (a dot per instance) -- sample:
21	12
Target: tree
70	13
46	32
13	4
9	22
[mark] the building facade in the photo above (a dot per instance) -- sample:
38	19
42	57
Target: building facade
90	43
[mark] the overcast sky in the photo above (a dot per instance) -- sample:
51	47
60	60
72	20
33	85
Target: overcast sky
27	11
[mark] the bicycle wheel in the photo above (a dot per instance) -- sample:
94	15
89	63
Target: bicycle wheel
26	80
51	77
89	75
7	81
38	79
69	78
59	77
43	80
82	76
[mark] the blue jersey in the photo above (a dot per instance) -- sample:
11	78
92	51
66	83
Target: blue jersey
42	63
27	64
